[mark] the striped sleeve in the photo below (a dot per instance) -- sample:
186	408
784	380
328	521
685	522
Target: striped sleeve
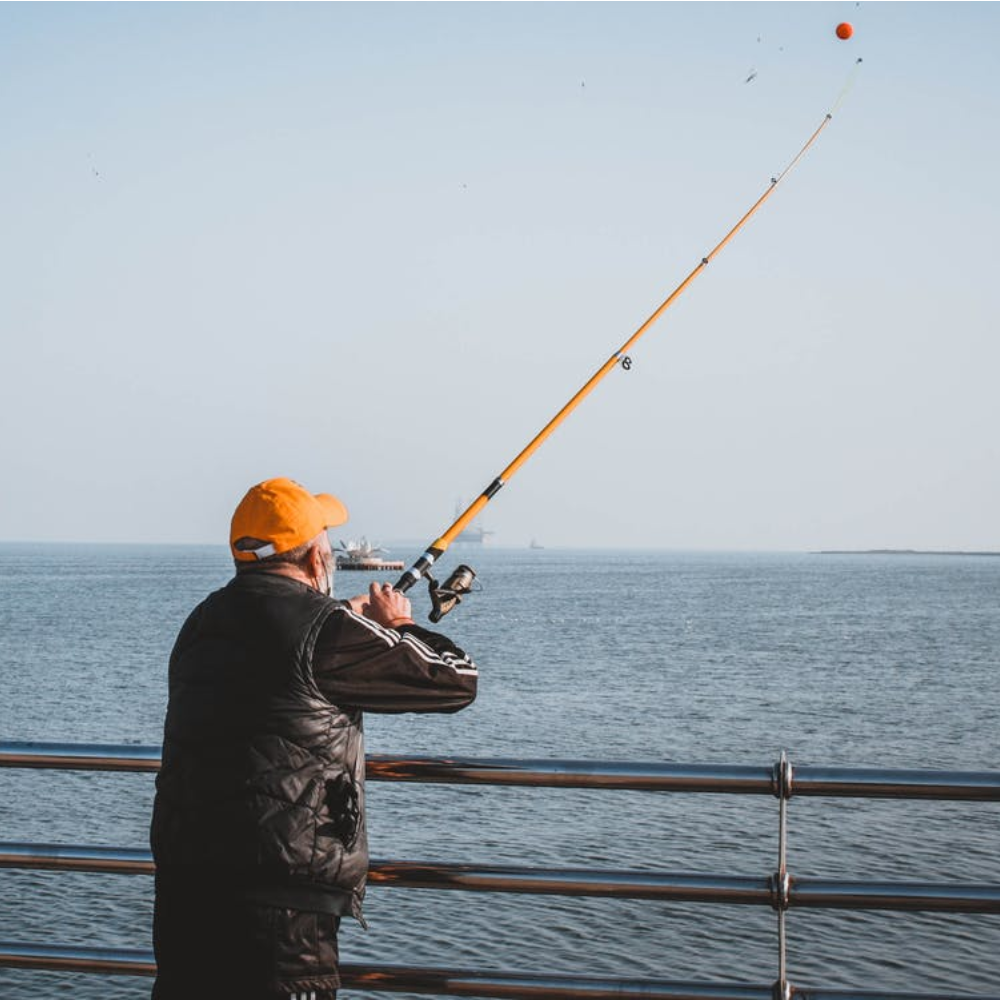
358	663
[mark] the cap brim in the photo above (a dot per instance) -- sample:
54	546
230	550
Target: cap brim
334	512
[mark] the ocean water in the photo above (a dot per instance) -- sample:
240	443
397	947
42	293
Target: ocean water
705	658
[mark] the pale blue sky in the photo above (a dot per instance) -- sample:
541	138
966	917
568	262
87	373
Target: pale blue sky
376	246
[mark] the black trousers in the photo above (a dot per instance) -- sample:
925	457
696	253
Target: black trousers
215	947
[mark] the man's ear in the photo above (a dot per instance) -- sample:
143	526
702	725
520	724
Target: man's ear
317	565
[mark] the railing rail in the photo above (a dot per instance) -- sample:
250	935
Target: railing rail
780	890
673	887
737	779
460	982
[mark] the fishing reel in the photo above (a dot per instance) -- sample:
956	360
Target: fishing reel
445	596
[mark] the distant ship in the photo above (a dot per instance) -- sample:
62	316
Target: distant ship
364	555
474	536
471	536
534	544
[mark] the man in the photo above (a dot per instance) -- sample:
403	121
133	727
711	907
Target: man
258	828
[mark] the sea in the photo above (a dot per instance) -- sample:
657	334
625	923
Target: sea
727	658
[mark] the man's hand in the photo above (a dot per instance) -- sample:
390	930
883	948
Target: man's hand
384	605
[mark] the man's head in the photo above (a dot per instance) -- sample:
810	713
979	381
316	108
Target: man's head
279	526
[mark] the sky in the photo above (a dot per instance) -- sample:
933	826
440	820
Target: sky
375	247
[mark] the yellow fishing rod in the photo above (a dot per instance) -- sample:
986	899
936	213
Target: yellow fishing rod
444	597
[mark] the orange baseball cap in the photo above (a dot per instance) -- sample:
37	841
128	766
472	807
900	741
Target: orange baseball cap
277	515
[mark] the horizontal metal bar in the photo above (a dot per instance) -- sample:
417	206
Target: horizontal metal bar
733	890
56	958
80	756
663	886
493	771
640	776
943	897
396	979
644	776
668	886
458	982
516	986
692	887
805	993
895	783
76	858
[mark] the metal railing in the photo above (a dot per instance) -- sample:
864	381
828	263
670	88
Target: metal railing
779	890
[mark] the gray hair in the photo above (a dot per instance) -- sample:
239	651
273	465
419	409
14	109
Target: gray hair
293	557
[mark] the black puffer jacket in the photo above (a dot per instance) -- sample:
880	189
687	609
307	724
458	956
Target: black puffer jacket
262	784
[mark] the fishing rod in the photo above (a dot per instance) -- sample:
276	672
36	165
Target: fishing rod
445	596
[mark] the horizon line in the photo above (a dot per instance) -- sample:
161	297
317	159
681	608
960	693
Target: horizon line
494	546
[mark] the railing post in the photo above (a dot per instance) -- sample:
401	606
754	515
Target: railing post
780	881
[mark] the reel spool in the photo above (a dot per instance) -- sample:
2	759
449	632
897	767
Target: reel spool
446	595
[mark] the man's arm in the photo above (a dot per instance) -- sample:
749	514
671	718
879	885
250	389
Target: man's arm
360	663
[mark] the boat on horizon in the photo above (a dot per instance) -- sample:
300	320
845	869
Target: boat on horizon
471	536
362	555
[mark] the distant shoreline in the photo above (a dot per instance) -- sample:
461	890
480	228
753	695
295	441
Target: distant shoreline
901	552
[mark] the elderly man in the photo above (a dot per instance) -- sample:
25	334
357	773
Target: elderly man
258	828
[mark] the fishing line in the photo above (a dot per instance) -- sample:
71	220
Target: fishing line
445	597
848	86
